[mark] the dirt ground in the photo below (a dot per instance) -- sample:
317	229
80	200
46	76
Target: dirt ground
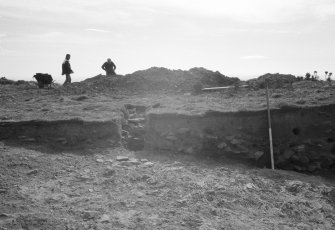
26	102
92	190
103	187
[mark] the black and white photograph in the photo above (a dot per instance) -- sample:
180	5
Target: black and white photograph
167	115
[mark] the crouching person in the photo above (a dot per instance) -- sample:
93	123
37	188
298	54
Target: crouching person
109	67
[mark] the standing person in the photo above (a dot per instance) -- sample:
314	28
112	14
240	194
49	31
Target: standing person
316	76
66	69
109	67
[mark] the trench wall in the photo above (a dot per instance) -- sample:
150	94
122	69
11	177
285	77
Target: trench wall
61	133
303	138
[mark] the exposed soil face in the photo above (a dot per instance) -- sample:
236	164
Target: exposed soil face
66	133
302	137
142	152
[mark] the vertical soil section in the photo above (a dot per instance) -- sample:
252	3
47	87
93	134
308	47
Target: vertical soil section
62	133
303	137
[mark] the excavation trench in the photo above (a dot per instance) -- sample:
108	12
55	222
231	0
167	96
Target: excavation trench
61	134
303	138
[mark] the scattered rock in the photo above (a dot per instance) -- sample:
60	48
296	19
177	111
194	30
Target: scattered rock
139	194
80	98
32	172
250	186
276	95
109	172
258	154
235	142
148	164
300	148
84	178
288	153
228	149
329	131
294	187
304	159
125	218
171	137
213	211
88	215
299	168
104	218
156	105
312	167
222	145
30	139
136	120
134	161
189	150
125	163
122	158
295	158
61	139
131	162
182	202
327	163
4	215
110	160
100	160
124	133
235	151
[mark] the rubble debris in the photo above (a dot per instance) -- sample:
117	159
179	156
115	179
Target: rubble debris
148	164
258	154
32	172
88	215
104	218
122	158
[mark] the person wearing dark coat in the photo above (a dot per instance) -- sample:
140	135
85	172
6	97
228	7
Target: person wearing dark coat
109	67
66	69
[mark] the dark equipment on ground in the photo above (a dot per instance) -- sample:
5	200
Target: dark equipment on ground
43	79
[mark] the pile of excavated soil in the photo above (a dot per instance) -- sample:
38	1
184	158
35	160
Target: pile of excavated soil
276	80
152	80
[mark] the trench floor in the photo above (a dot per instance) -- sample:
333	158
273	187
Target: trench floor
91	189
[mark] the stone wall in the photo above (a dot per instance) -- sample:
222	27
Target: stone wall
303	138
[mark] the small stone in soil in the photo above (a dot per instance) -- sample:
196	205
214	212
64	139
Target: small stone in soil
122	158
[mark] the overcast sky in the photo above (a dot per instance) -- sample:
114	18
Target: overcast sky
242	38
